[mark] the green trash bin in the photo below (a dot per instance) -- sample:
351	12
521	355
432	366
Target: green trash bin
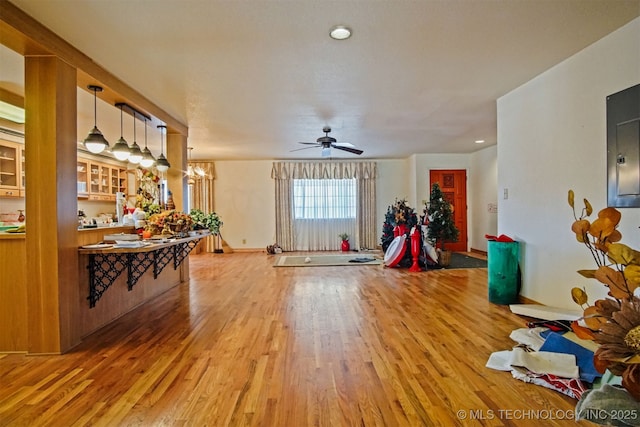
503	272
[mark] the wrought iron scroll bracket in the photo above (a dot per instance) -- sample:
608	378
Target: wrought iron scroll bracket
105	268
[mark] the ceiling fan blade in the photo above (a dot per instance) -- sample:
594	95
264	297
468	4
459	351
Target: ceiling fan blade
349	149
304	148
326	152
308	143
344	144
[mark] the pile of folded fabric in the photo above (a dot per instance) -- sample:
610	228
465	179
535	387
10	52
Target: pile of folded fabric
549	354
558	359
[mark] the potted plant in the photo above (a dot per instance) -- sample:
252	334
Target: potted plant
441	227
345	242
202	221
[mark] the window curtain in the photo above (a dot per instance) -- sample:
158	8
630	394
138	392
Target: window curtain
202	196
289	235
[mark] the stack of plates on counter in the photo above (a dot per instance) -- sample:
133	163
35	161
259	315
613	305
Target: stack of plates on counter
97	246
129	244
121	237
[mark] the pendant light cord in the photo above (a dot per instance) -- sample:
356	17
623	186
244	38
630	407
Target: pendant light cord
95	107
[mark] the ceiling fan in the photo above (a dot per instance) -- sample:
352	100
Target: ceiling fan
327	142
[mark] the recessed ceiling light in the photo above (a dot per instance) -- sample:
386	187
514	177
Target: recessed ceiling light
340	32
479	141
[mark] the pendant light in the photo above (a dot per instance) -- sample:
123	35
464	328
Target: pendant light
95	142
120	149
135	154
147	158
162	164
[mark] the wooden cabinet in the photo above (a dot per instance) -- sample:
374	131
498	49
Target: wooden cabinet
100	181
22	169
83	178
11	164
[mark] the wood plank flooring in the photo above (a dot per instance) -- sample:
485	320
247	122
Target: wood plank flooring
248	344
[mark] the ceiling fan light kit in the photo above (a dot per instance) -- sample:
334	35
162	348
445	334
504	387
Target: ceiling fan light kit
327	143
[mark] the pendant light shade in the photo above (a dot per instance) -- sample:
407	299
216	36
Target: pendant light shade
120	149
95	142
135	154
162	164
147	158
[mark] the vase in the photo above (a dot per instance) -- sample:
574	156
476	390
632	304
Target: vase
345	246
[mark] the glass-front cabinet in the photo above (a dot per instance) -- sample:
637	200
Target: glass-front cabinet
10	169
100	181
83	178
22	172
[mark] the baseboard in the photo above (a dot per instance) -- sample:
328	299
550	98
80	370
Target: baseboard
478	251
525	300
250	250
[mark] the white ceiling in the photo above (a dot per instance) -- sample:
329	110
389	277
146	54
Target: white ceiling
251	78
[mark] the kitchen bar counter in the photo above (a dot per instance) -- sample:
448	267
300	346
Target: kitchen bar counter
150	281
106	264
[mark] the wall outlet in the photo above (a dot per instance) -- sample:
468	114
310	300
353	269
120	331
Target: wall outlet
506	194
244	241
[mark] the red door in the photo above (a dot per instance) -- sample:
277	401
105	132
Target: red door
454	187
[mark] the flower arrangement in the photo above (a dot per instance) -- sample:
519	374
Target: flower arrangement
612	322
343	236
169	222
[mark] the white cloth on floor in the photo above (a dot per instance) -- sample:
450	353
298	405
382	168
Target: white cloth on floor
529	337
544	362
500	361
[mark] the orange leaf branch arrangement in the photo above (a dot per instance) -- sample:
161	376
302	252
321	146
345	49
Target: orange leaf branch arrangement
612	322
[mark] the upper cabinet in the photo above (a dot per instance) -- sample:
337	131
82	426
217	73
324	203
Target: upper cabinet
100	181
11	169
96	180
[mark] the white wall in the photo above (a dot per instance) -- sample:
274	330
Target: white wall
244	194
481	193
552	138
245	199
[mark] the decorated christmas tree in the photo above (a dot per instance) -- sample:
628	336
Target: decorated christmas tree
399	214
441	227
387	229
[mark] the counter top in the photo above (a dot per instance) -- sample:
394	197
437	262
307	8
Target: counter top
110	229
151	246
8	236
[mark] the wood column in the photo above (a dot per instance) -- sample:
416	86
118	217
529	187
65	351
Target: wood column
177	180
51	204
176	177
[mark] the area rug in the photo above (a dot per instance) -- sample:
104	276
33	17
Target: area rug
325	260
459	260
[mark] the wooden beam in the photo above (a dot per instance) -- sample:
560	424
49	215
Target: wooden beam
23	34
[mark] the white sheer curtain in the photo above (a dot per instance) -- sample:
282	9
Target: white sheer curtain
323	209
311	232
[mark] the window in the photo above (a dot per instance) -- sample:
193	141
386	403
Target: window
324	198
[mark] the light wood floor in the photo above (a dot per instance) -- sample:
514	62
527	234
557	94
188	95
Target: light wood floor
248	344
